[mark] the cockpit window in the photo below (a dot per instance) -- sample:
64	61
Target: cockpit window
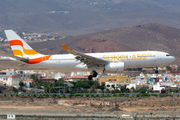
168	55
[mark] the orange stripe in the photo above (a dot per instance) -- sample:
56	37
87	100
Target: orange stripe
17	52
38	60
26	51
15	42
29	52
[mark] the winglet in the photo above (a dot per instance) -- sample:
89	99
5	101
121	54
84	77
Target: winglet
65	47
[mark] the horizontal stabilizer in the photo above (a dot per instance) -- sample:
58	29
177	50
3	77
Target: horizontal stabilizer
20	58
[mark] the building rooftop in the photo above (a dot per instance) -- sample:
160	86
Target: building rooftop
47	79
77	77
13	76
26	80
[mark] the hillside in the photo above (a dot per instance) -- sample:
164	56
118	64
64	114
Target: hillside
85	17
150	36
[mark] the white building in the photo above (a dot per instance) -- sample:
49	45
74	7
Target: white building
158	87
131	85
12	78
5	74
75	78
170	84
25	73
59	75
13	81
113	85
27	82
138	81
177	77
80	73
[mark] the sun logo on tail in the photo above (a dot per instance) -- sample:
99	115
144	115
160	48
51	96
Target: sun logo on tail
21	49
18	48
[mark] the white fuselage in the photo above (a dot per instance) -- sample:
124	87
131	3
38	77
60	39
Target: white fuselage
136	59
108	62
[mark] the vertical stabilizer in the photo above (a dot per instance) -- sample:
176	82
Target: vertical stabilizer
19	47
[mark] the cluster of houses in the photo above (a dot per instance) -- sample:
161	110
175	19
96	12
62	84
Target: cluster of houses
156	82
148	81
37	36
12	77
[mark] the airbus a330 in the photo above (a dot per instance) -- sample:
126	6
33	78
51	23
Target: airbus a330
108	62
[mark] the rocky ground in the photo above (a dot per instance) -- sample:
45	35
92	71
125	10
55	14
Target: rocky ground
111	106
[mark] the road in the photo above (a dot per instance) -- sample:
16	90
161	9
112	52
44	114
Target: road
85	115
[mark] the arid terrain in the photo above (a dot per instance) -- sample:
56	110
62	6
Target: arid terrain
109	106
84	17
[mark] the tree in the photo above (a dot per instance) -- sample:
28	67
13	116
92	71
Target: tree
134	69
90	82
107	91
139	69
178	68
51	90
123	89
127	90
35	79
100	87
21	84
46	89
82	85
20	88
93	91
116	91
38	86
58	83
142	90
132	89
163	71
85	86
14	89
129	69
168	68
0	91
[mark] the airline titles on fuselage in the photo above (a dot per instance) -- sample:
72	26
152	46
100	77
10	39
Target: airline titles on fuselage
124	57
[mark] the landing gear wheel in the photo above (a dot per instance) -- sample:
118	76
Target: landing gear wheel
156	71
90	77
94	73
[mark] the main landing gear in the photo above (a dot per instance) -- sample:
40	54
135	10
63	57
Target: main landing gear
93	74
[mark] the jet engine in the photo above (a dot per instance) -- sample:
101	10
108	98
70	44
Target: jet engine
114	67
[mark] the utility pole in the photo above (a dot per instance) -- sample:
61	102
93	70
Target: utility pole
64	88
59	86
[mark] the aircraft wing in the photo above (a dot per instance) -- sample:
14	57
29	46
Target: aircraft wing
90	61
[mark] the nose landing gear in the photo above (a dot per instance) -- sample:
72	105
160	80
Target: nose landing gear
156	71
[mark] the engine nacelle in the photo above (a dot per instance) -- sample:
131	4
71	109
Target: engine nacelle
114	67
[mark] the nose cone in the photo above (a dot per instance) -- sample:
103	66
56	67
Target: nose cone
173	58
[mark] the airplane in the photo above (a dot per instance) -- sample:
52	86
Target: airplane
107	62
